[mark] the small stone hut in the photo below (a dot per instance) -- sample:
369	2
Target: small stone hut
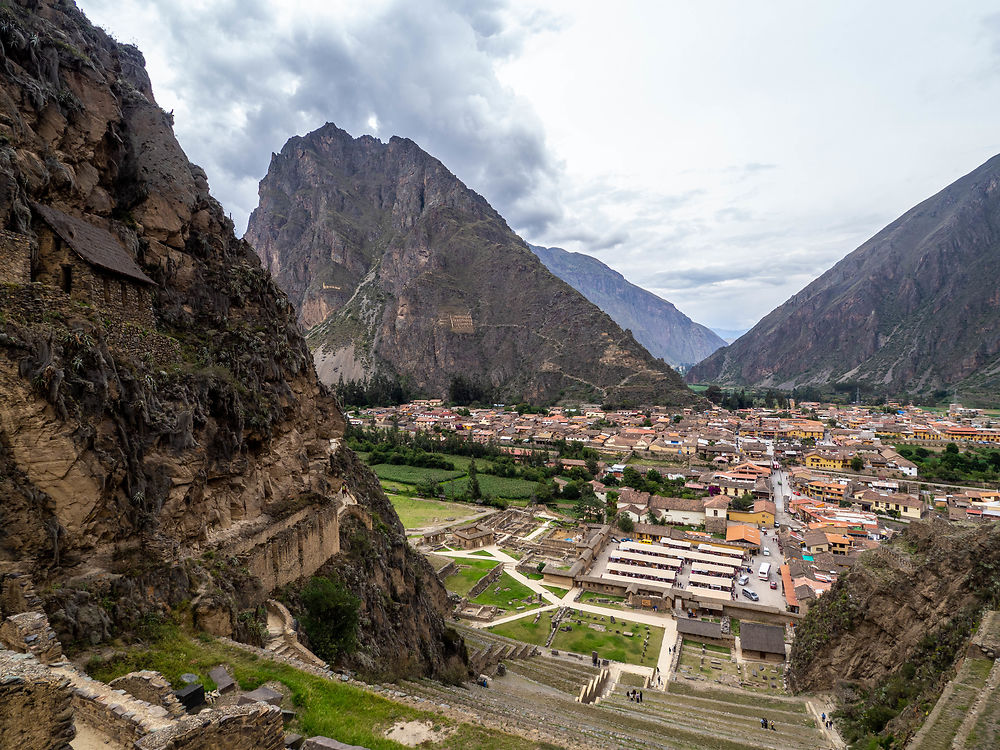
90	264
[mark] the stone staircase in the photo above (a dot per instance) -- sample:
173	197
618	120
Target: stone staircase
282	638
487	650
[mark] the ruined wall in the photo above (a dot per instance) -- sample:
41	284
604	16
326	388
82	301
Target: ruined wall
151	687
298	550
15	258
29	632
35	706
484	583
253	727
105	291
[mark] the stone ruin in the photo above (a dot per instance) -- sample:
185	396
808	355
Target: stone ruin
44	698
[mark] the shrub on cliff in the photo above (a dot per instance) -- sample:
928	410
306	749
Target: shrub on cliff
330	618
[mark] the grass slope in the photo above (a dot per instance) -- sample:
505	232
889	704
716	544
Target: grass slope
333	709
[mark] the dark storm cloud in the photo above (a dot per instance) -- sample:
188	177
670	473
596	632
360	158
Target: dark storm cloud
253	74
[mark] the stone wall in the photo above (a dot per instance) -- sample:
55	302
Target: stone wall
29	632
485	581
257	726
151	687
35	706
298	550
17	594
105	291
15	258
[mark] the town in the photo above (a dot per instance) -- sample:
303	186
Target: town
707	519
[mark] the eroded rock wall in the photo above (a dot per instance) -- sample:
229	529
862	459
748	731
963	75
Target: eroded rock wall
145	465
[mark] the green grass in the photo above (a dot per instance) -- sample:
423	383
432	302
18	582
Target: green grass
524	629
412	474
708	647
557	590
490	485
415	512
610	645
588	596
468	575
535	576
968	683
508	599
324	707
481	553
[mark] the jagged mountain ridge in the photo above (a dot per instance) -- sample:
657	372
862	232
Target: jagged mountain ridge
397	268
916	308
656	324
163	452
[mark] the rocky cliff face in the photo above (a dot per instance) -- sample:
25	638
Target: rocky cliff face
656	324
916	308
155	460
902	615
397	268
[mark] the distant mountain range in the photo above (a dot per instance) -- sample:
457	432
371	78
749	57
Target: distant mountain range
730	334
915	309
400	272
656	324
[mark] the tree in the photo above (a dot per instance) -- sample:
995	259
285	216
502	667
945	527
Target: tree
632	478
330	618
743	502
543	492
472	487
625	522
857	463
592	466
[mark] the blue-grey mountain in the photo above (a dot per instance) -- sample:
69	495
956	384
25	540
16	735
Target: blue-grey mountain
656	324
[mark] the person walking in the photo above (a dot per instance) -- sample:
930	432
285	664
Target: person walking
640	696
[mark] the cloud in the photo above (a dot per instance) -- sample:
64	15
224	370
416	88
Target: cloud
243	77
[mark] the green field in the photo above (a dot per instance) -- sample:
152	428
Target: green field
582	639
611	645
415	512
322	706
468	575
491	485
526	630
557	590
481	553
412	474
508	599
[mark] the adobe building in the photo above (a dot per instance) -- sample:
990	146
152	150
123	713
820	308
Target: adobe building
86	262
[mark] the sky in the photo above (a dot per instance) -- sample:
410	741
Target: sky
721	154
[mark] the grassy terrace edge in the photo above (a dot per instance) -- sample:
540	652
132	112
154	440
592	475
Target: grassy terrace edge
340	710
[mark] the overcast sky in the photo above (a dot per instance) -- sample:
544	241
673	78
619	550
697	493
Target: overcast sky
721	154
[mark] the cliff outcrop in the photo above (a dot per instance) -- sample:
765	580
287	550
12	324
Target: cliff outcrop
399	270
886	636
914	309
164	441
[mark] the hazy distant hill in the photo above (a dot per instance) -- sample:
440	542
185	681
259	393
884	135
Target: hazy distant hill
915	309
729	335
397	269
655	323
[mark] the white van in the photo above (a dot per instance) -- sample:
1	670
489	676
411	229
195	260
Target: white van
765	571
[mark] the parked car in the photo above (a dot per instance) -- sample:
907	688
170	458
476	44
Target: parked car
743	580
774	584
767	552
751	595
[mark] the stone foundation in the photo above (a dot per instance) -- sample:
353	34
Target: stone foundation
151	687
36	710
253	727
29	632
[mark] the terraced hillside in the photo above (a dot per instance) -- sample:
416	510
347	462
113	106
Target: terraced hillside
536	698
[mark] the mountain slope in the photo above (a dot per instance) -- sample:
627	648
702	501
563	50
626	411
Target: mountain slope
916	308
398	269
164	441
656	324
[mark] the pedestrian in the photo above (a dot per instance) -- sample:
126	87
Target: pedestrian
773	728
823	716
640	696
